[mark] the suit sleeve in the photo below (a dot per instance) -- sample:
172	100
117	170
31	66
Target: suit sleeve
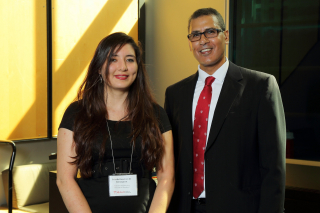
272	137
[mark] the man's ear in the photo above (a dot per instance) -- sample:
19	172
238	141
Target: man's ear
190	45
226	35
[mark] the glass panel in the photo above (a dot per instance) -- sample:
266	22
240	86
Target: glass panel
23	70
283	38
257	30
78	27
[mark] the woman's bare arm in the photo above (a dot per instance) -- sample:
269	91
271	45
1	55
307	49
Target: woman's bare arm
66	174
165	176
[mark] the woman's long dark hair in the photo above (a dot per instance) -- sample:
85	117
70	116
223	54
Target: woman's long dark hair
92	113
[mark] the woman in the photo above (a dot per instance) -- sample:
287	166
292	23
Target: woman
115	127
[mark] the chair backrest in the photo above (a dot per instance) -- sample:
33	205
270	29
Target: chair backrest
30	184
9	175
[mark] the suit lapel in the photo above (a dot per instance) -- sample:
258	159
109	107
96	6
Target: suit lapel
229	93
186	117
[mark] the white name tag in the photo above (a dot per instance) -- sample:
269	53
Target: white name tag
123	185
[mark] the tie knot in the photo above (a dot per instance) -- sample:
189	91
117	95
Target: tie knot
209	80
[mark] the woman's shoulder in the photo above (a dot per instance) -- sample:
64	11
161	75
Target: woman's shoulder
157	106
73	108
74	105
69	116
162	117
157	109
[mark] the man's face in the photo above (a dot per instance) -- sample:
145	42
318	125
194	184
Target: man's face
209	52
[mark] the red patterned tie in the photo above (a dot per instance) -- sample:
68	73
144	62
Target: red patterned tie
200	136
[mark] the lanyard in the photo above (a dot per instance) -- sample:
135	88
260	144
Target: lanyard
114	165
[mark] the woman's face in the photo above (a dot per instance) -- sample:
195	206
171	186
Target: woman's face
123	69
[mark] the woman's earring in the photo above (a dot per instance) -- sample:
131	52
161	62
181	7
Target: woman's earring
100	78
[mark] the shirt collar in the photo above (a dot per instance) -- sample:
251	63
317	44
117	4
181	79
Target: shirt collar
219	75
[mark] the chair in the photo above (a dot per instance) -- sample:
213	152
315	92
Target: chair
13	155
30	188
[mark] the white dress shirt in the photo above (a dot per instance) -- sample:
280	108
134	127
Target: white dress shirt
216	86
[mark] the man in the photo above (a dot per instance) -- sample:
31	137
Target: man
228	128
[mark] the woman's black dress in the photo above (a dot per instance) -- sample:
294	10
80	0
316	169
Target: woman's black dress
96	189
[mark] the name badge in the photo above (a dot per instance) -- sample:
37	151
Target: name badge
123	185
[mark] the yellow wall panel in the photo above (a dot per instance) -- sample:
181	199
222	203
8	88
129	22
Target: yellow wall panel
78	27
23	107
168	56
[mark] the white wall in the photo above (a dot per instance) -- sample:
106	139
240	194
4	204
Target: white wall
27	153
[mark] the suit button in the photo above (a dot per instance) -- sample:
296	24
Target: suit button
189	193
190	162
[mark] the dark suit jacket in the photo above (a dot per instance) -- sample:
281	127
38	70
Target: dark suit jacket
245	154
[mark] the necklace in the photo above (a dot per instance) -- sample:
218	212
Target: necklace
114	165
